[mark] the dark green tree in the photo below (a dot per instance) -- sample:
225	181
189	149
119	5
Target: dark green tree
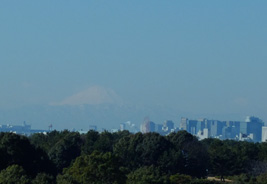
14	174
262	179
129	152
180	179
66	179
66	150
263	152
140	150
97	168
147	174
152	148
195	157
172	161
49	140
89	140
120	134
43	178
16	149
222	159
105	142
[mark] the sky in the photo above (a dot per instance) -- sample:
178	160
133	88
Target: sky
203	57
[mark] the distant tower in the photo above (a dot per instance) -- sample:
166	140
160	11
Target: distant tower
147	126
50	127
184	124
93	127
122	126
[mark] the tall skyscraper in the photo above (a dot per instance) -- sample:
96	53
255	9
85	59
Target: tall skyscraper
122	126
183	123
192	127
168	125
147	126
264	134
216	128
254	126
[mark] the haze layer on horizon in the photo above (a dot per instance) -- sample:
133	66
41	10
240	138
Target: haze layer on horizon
204	57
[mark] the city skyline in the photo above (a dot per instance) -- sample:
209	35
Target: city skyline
197	58
252	129
153	91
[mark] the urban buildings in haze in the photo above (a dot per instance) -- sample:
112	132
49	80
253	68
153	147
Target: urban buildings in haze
251	129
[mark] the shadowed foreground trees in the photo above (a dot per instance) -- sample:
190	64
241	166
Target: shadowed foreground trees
68	157
14	174
102	168
147	174
65	150
194	154
222	159
16	149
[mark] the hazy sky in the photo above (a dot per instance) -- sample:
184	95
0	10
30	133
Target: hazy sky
197	56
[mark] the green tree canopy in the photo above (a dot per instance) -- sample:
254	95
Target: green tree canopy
17	149
222	158
89	139
66	150
97	168
43	178
147	174
180	179
195	155
14	174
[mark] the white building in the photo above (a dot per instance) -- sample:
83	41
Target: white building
264	134
203	134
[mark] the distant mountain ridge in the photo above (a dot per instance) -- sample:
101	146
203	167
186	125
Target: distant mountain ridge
94	95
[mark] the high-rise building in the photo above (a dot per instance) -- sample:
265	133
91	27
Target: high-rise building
235	126
168	125
264	134
244	127
158	128
231	130
192	127
147	126
216	128
227	132
183	123
254	126
201	124
204	134
122	126
93	127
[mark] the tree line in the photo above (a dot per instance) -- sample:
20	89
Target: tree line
65	157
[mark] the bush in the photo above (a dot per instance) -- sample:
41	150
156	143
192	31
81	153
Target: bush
180	179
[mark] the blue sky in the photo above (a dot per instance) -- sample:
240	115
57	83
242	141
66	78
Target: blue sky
204	57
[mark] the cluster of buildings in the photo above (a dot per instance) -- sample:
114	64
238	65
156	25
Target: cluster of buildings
22	129
164	129
252	129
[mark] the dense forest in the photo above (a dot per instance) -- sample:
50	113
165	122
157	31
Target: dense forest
104	158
